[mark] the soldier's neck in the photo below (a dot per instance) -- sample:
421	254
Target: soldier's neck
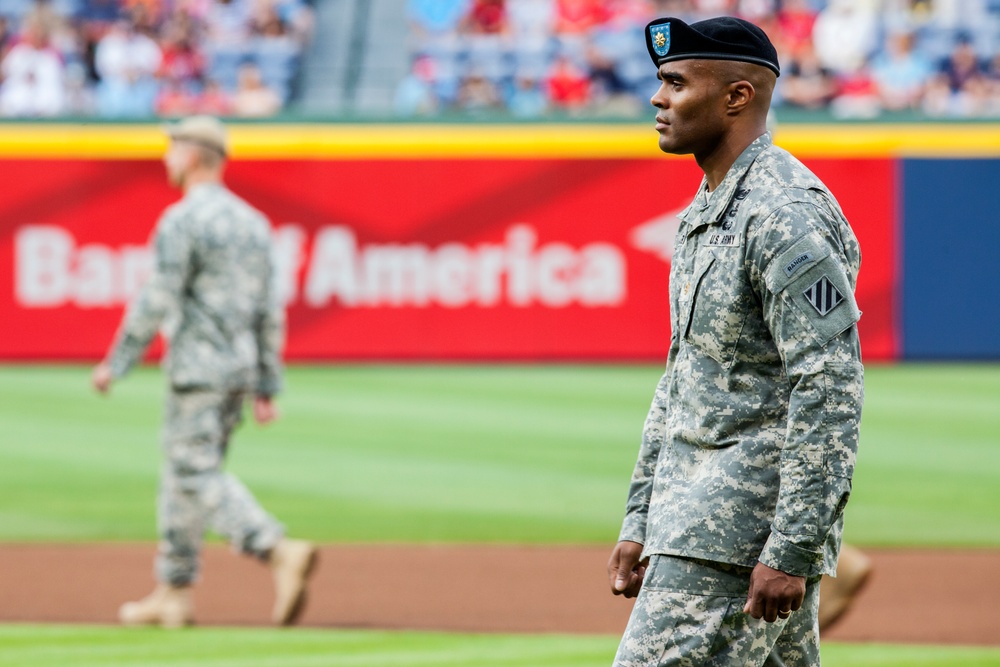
201	177
717	162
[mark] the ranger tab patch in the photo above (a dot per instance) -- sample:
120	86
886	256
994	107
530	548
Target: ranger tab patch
797	263
823	296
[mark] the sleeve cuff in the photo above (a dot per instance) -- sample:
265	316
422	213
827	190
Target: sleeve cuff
123	357
633	530
782	554
268	387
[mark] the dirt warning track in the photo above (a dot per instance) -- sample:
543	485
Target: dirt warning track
915	596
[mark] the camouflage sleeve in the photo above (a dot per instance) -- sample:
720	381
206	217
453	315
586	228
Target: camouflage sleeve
806	283
641	488
269	330
159	296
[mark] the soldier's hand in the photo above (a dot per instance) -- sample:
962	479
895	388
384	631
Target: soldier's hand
625	571
774	594
101	377
264	410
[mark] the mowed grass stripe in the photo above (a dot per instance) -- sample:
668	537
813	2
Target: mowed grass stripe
929	467
470	453
39	646
90	646
363	453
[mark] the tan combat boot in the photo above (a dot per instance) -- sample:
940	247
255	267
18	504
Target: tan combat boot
169	606
292	561
836	595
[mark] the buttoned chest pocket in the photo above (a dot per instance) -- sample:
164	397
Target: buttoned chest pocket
718	305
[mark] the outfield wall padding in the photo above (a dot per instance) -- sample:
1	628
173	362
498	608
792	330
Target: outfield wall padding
951	259
560	252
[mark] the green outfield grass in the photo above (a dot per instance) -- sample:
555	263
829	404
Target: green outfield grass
88	646
528	454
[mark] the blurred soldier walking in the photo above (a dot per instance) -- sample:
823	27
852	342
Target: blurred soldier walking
212	292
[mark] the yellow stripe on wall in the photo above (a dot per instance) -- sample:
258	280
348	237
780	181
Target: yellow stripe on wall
584	141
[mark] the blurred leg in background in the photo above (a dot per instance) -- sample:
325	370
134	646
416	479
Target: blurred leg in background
837	594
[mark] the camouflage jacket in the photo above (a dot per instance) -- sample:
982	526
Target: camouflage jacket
749	447
212	291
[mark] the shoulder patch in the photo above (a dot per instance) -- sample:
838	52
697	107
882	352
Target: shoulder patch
823	296
797	263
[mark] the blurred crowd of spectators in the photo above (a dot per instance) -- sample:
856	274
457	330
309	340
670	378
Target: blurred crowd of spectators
856	58
137	58
528	58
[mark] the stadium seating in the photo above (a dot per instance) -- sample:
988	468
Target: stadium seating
522	58
136	58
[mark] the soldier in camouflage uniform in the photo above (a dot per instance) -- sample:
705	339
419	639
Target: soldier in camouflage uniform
212	292
736	505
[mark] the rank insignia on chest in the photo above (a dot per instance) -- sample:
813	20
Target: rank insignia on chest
723	240
823	296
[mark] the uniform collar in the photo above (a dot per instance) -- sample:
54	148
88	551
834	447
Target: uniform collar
713	210
206	186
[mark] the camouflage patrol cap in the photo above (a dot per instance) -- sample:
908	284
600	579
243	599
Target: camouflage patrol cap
202	130
722	38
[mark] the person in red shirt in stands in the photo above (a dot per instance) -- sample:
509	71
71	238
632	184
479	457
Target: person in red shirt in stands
182	61
487	17
568	86
795	25
574	17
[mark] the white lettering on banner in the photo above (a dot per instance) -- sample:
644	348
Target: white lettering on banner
51	271
393	275
289	255
455	275
333	271
41	260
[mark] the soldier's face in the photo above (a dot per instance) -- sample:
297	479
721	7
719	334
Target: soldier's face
178	160
691	107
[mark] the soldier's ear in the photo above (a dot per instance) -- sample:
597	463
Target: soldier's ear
193	157
740	95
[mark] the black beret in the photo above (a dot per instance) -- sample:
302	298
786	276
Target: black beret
722	38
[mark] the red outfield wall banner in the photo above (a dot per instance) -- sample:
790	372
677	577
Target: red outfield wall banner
407	259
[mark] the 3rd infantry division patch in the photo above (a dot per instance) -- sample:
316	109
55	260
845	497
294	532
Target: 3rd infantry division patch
823	296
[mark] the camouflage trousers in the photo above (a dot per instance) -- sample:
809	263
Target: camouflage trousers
689	613
195	493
